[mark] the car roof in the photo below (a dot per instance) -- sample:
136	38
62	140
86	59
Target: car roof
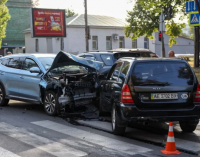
95	53
130	50
29	55
130	59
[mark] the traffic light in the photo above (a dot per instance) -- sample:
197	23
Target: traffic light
160	36
168	12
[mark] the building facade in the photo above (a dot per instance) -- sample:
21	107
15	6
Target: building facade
20	20
106	33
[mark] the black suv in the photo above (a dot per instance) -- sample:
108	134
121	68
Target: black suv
151	89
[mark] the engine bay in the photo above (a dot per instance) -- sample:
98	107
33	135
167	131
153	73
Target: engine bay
75	90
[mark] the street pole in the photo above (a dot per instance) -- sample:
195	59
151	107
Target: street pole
162	37
86	27
196	47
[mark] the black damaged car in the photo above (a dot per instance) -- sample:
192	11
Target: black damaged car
147	89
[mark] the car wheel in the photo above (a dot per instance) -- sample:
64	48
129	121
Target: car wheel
3	100
50	103
187	126
115	120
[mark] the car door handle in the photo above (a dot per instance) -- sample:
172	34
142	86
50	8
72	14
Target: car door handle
21	77
1	73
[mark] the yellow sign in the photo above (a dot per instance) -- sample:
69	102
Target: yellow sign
194	19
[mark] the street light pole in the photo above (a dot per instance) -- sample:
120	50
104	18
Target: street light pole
86	27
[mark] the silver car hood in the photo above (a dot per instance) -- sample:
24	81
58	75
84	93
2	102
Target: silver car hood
64	59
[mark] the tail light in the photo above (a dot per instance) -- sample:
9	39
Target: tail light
126	95
197	95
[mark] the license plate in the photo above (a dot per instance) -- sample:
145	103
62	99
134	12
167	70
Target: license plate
158	96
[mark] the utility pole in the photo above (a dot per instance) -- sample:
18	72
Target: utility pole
86	27
196	41
196	46
162	37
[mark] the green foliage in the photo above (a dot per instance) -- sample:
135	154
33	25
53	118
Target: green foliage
190	33
69	13
143	20
4	17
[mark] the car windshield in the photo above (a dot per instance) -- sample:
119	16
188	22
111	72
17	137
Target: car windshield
162	73
46	61
69	69
107	59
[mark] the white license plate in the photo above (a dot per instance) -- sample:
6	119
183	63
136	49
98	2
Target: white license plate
164	96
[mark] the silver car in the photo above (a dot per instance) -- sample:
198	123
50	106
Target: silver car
38	78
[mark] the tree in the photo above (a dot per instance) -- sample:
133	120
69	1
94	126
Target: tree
70	13
35	3
143	20
189	34
4	17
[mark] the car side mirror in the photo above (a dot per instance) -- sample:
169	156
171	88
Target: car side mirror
35	70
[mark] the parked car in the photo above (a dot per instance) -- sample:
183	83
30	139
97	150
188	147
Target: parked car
57	82
109	58
151	89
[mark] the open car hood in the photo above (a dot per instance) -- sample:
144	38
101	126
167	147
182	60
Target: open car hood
64	59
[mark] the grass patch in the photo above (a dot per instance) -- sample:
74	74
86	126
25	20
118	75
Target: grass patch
196	70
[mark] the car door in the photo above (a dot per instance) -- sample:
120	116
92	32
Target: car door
10	75
107	85
29	82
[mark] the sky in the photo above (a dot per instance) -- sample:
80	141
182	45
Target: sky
114	8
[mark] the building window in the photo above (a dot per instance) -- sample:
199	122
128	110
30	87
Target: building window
134	44
62	44
121	42
94	43
36	45
108	43
146	43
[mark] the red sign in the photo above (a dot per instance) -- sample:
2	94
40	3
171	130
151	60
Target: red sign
48	23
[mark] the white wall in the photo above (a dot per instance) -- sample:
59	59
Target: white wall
75	42
184	45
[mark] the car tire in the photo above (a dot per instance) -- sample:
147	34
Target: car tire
3	100
51	103
115	120
187	127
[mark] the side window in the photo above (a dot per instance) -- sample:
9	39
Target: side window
14	63
116	72
90	58
145	54
29	63
4	62
107	59
124	71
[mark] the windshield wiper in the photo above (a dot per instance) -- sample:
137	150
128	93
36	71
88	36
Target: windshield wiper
154	84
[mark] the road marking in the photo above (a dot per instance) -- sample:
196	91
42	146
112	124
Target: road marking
6	153
93	138
42	143
187	145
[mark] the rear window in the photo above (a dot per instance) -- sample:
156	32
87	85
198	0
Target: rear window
131	54
107	59
166	73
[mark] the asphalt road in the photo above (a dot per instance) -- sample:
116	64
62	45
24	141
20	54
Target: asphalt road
25	130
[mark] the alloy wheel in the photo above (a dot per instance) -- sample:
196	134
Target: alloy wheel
50	103
113	118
